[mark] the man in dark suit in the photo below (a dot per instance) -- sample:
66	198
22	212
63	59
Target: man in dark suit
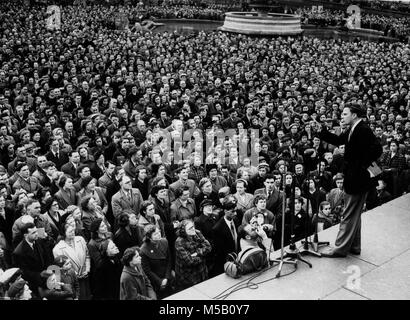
361	149
70	167
323	177
230	123
225	234
274	198
56	155
33	255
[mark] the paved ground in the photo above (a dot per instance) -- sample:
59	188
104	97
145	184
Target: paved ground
381	272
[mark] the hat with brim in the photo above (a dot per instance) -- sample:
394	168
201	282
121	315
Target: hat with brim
206	202
263	165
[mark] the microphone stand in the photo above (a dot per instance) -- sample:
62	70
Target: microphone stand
309	247
292	255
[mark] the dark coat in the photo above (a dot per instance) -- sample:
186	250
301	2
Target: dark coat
70	170
96	171
105	271
205	224
362	149
275	202
142	187
66	198
223	243
33	261
135	285
6	224
164	211
112	188
302	225
58	161
315	199
156	262
124	239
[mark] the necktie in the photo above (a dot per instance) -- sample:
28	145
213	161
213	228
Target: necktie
233	231
269	194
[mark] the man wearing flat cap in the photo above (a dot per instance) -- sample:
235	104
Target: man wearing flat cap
361	149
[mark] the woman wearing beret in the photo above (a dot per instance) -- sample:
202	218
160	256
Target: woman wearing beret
157	262
134	283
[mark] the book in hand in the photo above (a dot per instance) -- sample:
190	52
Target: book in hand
374	170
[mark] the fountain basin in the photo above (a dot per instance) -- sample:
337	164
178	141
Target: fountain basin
255	23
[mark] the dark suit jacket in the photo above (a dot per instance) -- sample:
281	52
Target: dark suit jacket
360	151
62	158
33	262
274	202
69	169
66	198
123	239
224	243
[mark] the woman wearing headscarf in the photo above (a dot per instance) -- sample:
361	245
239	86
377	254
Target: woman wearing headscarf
191	249
157	262
134	283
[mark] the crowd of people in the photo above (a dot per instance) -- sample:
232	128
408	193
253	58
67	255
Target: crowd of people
400	6
188	12
396	27
113	166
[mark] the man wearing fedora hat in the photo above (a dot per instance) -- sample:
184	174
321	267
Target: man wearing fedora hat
361	149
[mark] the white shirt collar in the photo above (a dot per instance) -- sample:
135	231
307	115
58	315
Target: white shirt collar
354	126
228	222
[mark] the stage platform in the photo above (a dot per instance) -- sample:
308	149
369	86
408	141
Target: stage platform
381	272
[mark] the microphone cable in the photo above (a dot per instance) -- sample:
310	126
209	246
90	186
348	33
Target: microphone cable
249	284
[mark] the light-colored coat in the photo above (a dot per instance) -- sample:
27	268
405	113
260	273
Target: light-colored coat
244	203
78	255
120	202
